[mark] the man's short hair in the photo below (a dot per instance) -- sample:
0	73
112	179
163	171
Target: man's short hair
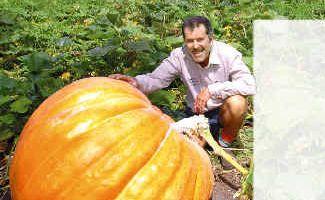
196	21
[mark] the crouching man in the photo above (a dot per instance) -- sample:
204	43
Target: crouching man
217	80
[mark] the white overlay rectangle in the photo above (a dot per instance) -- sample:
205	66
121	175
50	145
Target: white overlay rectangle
289	118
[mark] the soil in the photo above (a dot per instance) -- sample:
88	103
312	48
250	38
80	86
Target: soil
227	183
6	196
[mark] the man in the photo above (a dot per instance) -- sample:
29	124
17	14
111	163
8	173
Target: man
215	75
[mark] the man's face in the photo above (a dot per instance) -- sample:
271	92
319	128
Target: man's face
198	43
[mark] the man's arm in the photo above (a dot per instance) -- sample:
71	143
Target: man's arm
160	78
241	81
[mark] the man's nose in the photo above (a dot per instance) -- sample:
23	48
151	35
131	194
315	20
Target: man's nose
195	44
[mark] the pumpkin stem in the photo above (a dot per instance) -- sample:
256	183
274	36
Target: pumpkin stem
199	126
219	151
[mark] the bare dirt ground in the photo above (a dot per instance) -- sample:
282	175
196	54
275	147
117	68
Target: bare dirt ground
6	196
227	183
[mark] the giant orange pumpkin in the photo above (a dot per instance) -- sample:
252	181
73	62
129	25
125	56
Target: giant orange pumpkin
100	138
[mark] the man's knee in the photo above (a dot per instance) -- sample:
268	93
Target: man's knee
235	104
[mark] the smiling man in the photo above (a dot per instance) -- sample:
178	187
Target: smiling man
217	79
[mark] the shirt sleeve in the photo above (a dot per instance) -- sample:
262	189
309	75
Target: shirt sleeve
240	81
161	77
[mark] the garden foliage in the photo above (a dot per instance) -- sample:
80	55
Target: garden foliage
45	45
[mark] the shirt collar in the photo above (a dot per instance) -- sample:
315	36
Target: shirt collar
214	54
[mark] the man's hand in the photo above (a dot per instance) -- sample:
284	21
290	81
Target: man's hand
128	79
201	101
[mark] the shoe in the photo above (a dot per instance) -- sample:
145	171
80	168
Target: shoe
225	164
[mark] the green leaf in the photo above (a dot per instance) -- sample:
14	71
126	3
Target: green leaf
4	39
7	119
4	99
245	1
98	33
98	51
129	31
7	19
6	134
121	51
139	46
250	178
103	20
93	27
6	82
113	16
21	105
174	41
37	61
102	51
49	86
237	46
249	61
162	98
65	41
24	87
